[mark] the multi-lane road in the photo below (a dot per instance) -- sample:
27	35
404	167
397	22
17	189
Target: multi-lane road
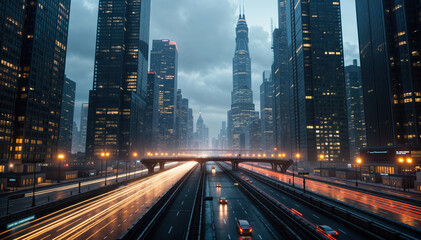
403	212
106	216
56	192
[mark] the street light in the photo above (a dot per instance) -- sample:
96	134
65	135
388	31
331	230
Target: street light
358	161
60	159
134	156
105	155
297	156
321	157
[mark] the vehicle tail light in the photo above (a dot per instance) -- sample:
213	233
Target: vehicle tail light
251	230
241	230
336	232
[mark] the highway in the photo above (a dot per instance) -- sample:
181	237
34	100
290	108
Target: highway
174	224
406	213
106	216
238	207
308	214
56	192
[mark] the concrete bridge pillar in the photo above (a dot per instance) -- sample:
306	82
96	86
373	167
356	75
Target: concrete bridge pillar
150	166
161	165
274	166
234	165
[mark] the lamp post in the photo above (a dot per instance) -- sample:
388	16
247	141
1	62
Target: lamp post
358	161
60	159
105	155
134	157
321	157
297	156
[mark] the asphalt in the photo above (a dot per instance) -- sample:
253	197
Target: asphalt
56	192
239	206
106	216
174	224
311	215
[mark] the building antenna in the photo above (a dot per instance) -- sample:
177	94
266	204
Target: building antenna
244	11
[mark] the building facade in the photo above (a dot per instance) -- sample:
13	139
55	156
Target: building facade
390	54
355	105
201	136
181	131
164	62
40	86
11	28
281	84
66	119
317	84
242	107
117	101
266	111
83	125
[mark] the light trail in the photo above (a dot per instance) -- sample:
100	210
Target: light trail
396	210
85	183
76	220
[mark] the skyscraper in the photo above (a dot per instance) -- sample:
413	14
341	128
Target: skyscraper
83	125
281	84
66	119
164	62
181	133
355	105
11	27
190	128
390	53
242	107
202	134
150	96
40	86
266	111
317	88
117	101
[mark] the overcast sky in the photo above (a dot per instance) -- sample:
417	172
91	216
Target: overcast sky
205	34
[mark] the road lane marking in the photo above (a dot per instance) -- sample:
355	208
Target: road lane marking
229	236
169	231
178	213
235	218
260	237
314	215
45	237
342	231
225	221
245	211
185	195
182	202
105	237
296	205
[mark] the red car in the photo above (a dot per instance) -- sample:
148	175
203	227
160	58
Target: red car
223	200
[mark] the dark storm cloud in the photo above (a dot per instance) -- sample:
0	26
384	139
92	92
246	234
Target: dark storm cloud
81	48
205	34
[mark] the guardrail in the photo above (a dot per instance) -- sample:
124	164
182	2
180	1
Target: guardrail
281	217
144	226
375	229
195	226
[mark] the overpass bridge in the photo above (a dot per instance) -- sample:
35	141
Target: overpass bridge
151	162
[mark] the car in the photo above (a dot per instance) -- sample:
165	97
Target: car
223	200
246	179
327	230
241	173
236	184
250	181
242	177
244	227
218	185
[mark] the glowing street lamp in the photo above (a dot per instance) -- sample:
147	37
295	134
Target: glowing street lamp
403	162
105	155
358	161
297	156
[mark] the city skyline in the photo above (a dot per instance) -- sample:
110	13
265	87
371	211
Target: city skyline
213	99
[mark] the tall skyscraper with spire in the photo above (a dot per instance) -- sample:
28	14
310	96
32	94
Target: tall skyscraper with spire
242	107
